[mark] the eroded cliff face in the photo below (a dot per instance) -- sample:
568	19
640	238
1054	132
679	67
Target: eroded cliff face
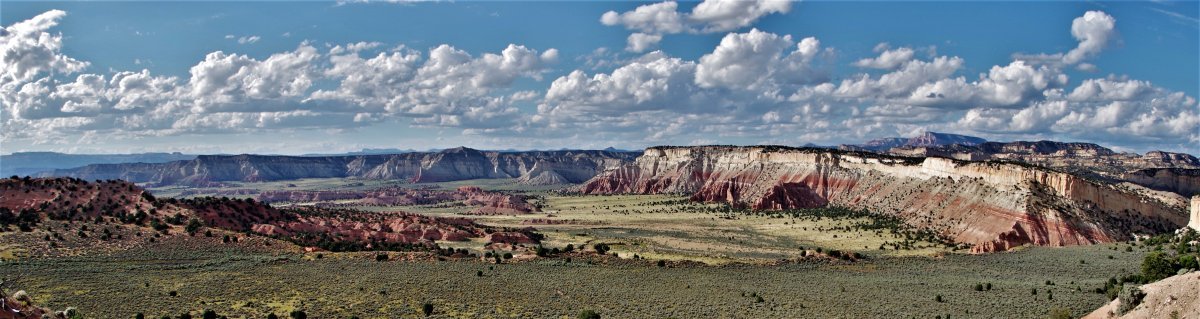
1166	171
991	206
1181	181
1194	210
540	168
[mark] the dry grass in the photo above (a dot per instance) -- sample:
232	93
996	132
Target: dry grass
241	283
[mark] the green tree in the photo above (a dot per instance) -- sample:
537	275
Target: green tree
1188	262
193	226
427	309
1157	265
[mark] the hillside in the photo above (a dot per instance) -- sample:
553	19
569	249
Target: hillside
59	215
989	205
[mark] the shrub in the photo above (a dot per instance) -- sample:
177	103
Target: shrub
272	316
72	313
1188	262
139	316
989	286
193	225
589	314
662	263
1059	313
381	257
479	273
978	287
1129	298
298	314
427	309
1157	265
209	314
601	248
938	298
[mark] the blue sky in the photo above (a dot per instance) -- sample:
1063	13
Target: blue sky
744	72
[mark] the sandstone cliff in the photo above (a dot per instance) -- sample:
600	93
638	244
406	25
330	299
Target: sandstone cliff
992	206
1194	210
536	167
1166	171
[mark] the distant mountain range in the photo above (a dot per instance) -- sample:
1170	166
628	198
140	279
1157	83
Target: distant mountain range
924	140
1173	172
461	163
29	163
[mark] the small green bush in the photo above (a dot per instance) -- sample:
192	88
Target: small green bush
589	314
1129	298
427	309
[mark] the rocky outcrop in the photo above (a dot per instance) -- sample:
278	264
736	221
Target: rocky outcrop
1174	297
494	203
992	206
386	228
536	167
1194	210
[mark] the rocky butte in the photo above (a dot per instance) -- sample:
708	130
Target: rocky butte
992	206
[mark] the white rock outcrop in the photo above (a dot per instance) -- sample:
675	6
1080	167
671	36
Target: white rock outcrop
1194	222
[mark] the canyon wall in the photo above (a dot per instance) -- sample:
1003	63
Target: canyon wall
535	167
1181	181
1166	171
1194	210
992	206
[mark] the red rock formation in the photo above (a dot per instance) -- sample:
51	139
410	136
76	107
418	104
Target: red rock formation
510	238
992	206
488	203
492	203
73	199
365	228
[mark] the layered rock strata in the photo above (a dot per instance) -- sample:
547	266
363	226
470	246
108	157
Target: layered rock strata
991	206
535	167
